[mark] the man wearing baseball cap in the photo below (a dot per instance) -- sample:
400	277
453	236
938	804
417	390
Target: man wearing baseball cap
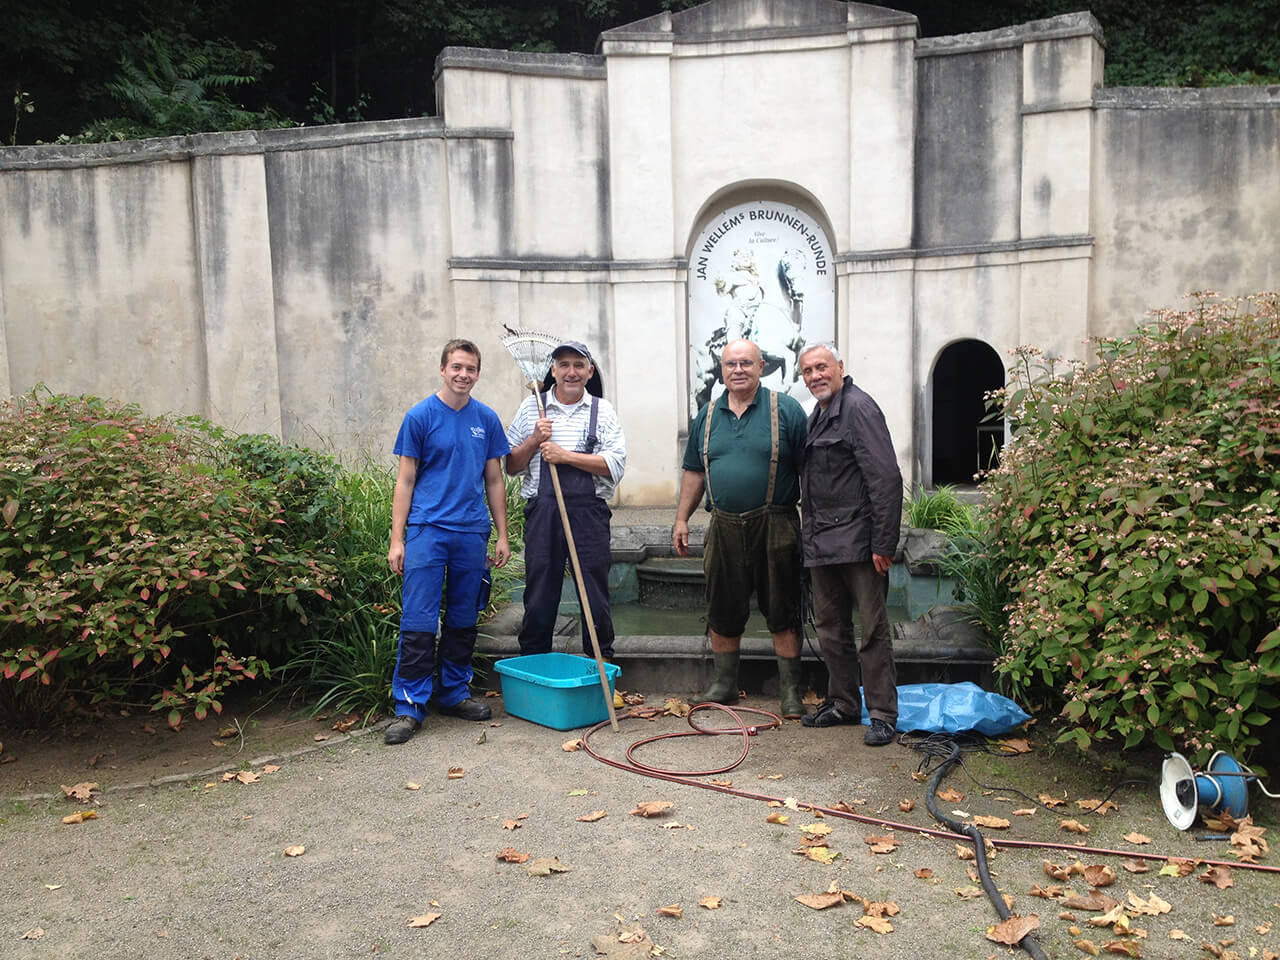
581	435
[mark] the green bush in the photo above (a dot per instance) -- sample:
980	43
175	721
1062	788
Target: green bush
978	571
141	558
1136	511
937	510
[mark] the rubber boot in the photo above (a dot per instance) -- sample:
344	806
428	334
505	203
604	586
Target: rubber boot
724	688
792	707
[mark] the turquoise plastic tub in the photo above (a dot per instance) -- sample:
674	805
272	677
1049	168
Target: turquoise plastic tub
557	690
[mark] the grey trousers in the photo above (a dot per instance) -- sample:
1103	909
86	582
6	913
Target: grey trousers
837	588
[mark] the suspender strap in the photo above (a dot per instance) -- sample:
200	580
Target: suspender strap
773	450
706	445
592	440
773	446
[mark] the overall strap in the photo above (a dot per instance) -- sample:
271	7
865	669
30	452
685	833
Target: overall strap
592	440
773	446
706	461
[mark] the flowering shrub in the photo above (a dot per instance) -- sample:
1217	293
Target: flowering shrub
143	556
1136	511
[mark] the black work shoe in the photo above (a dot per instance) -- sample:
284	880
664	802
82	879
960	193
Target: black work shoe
400	730
468	709
878	733
827	715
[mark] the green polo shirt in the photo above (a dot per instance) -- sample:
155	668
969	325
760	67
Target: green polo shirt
740	448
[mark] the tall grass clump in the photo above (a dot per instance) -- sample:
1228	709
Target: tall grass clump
1136	513
348	661
936	510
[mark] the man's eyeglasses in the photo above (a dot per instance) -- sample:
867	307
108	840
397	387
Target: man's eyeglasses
738	364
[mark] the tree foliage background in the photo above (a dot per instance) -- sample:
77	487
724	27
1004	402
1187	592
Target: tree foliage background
103	69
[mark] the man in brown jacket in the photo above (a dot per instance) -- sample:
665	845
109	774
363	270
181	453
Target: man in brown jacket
851	495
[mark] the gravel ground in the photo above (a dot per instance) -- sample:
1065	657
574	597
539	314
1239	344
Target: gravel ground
197	869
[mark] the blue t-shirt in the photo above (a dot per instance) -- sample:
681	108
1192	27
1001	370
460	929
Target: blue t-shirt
451	447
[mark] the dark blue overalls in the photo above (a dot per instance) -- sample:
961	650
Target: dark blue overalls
546	553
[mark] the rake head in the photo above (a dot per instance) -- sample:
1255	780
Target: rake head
531	350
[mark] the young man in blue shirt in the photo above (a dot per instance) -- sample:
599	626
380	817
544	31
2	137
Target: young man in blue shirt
450	448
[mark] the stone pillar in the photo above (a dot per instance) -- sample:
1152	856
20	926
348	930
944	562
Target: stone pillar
1060	70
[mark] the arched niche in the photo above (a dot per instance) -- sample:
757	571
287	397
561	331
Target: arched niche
761	267
964	441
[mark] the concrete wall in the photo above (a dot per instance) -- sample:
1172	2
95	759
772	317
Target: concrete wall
302	281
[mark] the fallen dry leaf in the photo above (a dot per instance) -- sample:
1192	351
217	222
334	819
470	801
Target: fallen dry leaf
81	791
1011	931
968	893
950	796
1177	867
1016	745
296	850
844	807
248	776
346	723
721	783
1221	920
1051	892
675	825
1115	917
673	707
593	816
569	746
818	854
271	768
1087	946
820	901
35	933
1152	906
671	910
455	773
545	866
1178	935
816	829
906	806
426	920
994	823
885	844
1220	877
80	816
1025	812
1075	826
711	903
878	924
320	737
1050	801
652	808
1263	929
965	852
491	693
410	785
1099	875
1093	901
1100	807
1136	866
511	824
1126	948
876	909
1138	838
924	873
512	855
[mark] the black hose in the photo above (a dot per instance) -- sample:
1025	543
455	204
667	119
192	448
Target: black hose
1028	942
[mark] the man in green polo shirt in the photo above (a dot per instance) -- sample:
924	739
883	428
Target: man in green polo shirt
744	452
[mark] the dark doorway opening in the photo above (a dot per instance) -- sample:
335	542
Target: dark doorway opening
964	441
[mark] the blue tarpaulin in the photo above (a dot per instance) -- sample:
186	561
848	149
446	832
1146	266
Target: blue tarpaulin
953	708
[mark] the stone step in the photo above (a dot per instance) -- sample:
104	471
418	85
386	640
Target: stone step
941	646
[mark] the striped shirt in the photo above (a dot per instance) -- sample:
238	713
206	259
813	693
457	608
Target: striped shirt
569	424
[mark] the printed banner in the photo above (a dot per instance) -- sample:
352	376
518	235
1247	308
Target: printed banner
759	271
